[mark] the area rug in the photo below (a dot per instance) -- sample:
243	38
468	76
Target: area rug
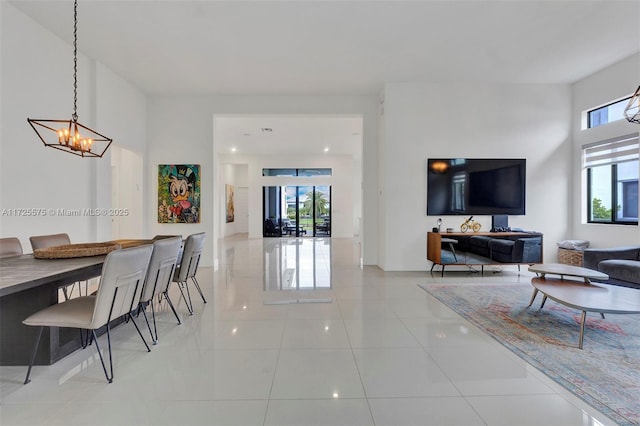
605	374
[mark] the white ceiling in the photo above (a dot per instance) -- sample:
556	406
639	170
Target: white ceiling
342	47
289	135
347	47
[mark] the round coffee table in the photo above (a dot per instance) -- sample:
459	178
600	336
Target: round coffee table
586	297
563	270
567	270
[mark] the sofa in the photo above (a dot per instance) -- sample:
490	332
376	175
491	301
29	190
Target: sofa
507	250
622	264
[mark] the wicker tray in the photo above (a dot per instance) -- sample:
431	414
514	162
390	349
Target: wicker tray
131	242
75	250
570	257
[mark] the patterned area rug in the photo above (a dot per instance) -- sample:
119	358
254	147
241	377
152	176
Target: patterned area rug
605	374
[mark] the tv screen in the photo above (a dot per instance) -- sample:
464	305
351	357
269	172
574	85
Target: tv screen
476	186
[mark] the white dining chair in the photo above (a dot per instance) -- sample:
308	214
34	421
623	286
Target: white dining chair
188	267
123	273
54	240
10	246
161	266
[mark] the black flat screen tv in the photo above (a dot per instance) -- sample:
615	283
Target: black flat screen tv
476	186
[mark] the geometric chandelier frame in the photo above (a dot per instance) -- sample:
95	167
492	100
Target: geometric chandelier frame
632	111
69	135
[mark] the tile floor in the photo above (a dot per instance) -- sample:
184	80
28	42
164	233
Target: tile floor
296	333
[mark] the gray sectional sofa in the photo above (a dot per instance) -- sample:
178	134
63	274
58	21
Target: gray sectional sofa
512	249
622	264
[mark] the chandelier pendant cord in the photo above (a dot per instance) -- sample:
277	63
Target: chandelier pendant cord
69	135
75	61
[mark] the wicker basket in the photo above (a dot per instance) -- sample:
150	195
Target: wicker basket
75	250
570	257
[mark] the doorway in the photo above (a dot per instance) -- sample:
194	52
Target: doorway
297	211
126	193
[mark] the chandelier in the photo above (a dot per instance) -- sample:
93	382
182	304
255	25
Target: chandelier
69	135
632	111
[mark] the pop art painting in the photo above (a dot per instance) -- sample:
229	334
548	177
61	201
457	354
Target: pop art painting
179	193
229	195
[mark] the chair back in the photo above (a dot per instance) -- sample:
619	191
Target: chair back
10	247
161	266
190	257
122	277
46	241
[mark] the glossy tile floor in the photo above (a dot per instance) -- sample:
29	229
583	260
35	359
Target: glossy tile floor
296	333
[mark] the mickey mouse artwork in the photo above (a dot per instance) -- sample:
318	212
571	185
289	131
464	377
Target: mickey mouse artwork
179	193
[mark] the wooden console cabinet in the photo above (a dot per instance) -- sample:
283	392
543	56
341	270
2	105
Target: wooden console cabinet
483	248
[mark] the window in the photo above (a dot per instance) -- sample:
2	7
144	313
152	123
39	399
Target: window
612	168
296	172
606	114
279	172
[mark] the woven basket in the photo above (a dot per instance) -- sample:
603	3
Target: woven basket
570	257
75	250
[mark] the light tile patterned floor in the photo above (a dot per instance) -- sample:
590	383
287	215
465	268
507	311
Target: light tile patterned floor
371	349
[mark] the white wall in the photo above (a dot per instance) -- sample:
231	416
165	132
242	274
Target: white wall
180	130
122	109
614	82
465	120
381	173
37	82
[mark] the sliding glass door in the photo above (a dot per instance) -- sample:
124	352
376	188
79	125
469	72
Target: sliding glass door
297	211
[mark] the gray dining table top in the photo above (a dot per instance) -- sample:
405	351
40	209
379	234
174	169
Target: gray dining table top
19	273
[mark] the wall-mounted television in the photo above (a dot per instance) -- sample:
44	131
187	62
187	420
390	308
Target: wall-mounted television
476	186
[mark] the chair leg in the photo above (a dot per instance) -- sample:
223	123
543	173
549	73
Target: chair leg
155	327
166	296
186	286
64	292
68	294
33	356
104	368
154	340
187	302
82	341
198	288
139	332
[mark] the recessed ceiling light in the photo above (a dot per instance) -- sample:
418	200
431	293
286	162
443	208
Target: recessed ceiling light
267	129
234	149
326	149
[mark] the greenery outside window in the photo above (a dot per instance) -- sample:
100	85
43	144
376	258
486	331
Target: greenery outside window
612	169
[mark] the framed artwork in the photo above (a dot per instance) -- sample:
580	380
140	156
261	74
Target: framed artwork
179	193
228	190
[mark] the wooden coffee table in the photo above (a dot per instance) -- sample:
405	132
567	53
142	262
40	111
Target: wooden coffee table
588	297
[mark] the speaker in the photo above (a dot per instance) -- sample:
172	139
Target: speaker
500	223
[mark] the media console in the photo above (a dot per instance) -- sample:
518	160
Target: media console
483	248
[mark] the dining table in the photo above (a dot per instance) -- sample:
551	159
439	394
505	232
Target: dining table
29	284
